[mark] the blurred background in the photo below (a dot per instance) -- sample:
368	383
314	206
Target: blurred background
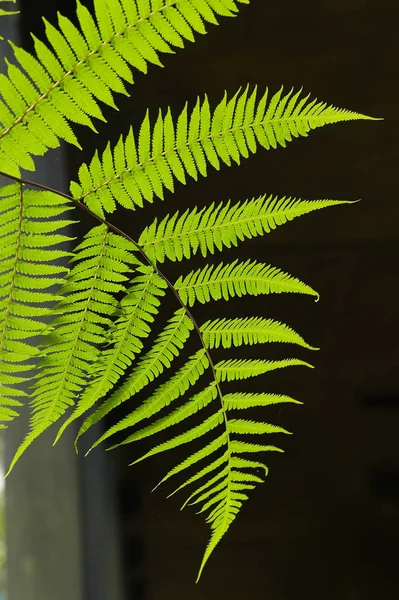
326	522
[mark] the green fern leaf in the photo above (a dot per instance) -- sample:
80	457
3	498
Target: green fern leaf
186	146
222	494
251	330
248	464
239	401
4	12
112	290
252	427
224	226
229	500
194	433
164	350
235	369
194	458
79	329
204	492
236	279
239	447
23	275
137	310
198	402
205	470
175	387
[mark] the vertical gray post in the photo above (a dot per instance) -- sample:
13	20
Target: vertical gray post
60	513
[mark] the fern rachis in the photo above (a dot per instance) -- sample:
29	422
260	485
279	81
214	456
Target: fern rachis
107	299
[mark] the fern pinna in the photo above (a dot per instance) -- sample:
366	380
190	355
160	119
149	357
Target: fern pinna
94	316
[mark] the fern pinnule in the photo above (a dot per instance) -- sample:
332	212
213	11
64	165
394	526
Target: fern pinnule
169	391
201	400
246	427
165	349
252	330
145	166
4	12
240	368
236	279
136	312
222	226
242	400
202	472
207	425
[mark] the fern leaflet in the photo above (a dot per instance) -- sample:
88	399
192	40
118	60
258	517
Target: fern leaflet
236	279
136	312
164	350
241	368
150	163
223	226
251	330
176	386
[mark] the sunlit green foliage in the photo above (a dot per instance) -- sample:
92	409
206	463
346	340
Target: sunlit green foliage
81	318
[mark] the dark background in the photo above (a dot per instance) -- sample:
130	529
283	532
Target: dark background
326	522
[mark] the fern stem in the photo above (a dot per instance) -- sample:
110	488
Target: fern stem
40	186
75	201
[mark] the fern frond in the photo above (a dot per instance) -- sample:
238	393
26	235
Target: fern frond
241	400
241	368
239	447
236	279
152	161
226	476
221	495
27	235
164	350
79	329
65	80
183	235
216	444
251	330
225	503
112	289
136	311
175	387
201	400
253	427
